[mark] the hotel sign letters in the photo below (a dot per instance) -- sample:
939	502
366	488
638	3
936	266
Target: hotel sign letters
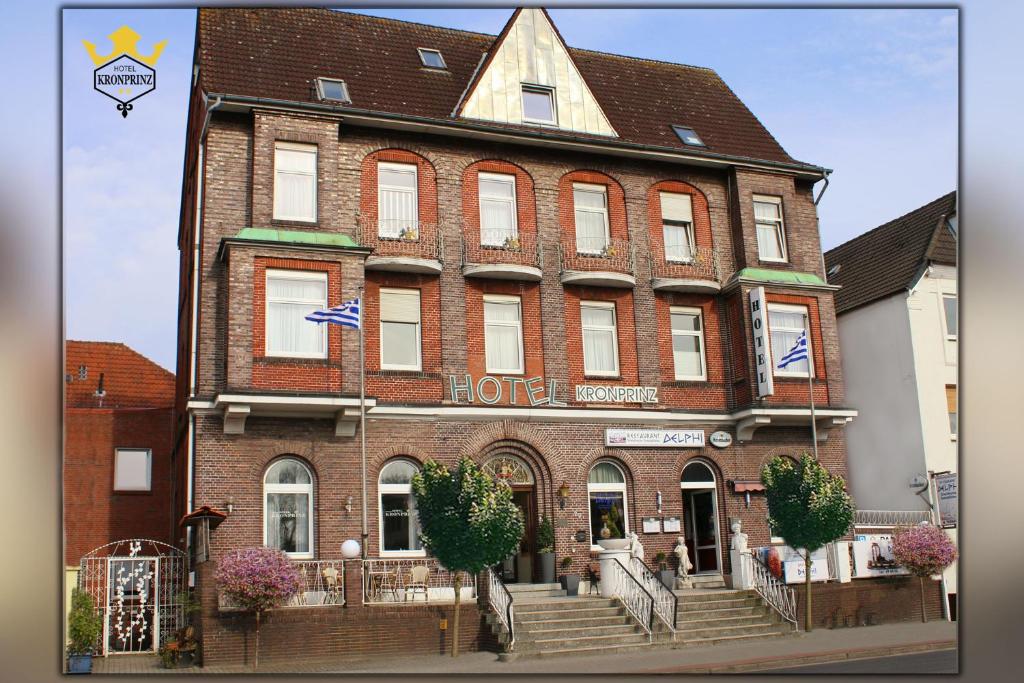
491	390
762	344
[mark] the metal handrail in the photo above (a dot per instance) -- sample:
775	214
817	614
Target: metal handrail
666	603
634	597
500	599
777	594
701	264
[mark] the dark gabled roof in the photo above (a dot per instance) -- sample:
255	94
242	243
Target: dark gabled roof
278	53
130	380
889	258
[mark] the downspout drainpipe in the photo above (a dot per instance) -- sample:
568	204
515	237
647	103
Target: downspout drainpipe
824	176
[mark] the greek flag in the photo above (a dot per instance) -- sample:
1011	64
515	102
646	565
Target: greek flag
797	353
346	314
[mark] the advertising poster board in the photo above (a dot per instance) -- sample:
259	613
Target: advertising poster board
946	492
788	564
872	556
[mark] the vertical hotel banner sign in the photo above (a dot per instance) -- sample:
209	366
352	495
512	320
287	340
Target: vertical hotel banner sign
762	344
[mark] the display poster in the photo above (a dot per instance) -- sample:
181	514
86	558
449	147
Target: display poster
873	556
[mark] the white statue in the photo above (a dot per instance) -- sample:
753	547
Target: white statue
635	548
684	558
739	539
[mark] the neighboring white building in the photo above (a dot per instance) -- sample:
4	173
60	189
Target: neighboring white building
897	314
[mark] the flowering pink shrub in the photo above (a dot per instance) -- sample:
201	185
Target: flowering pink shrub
923	550
257	579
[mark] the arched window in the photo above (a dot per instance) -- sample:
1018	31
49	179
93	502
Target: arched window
606	488
288	508
399	522
697	475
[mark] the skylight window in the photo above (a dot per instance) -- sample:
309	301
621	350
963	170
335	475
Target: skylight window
332	90
688	136
834	270
538	104
432	59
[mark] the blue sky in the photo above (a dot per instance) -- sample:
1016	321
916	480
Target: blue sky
869	93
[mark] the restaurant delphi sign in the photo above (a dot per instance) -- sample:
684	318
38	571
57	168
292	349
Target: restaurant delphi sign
655	438
762	346
946	487
589	393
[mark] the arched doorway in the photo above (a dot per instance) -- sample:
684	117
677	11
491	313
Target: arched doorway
521	567
700	517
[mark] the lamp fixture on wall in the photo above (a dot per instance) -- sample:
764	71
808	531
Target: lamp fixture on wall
657	500
348	504
563	494
229	503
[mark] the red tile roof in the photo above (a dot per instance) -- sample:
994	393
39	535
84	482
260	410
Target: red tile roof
278	53
130	380
889	258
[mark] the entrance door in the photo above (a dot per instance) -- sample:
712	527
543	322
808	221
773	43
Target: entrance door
524	564
700	510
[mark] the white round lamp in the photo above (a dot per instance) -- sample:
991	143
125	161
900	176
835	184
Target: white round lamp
350	549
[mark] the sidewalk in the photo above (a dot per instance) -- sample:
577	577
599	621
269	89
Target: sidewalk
822	645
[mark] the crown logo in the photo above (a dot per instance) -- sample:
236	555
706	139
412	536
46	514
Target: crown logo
125	40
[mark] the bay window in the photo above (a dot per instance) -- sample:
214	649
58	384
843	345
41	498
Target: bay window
288	508
400	329
771	232
688	343
399	521
677	226
785	325
291	296
294	182
497	194
600	338
503	334
606	491
397	201
590	206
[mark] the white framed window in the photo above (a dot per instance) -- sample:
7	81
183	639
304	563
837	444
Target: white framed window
600	338
399	520
288	508
400	329
397	200
294	182
688	343
677	226
133	469
539	104
771	232
590	205
606	491
503	334
332	90
688	136
498	220
950	315
785	325
430	58
291	296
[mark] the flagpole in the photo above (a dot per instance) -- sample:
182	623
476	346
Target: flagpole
810	383
362	421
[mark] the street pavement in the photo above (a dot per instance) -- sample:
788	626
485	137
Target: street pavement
934	662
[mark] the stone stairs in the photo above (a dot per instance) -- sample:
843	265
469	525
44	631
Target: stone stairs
709	616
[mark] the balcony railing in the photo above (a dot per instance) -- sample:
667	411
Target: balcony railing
389	581
686	262
402	238
500	246
322	585
592	254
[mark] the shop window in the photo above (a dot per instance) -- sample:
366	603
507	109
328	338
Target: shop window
294	182
399	521
785	325
503	334
400	329
288	508
291	296
606	489
133	469
600	338
498	223
688	343
590	205
677	226
397	201
771	232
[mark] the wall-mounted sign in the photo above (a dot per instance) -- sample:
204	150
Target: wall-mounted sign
762	344
491	390
720	439
590	393
946	491
788	563
672	525
873	556
652	525
654	438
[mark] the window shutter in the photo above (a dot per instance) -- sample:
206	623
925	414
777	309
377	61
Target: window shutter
400	306
676	207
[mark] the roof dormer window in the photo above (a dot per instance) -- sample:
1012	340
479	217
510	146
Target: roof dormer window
432	59
688	136
539	104
332	90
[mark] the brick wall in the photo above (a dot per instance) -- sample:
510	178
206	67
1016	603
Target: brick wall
870	601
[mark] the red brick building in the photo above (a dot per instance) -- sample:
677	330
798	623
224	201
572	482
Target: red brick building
557	250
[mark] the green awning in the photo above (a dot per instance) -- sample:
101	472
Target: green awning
322	239
782	276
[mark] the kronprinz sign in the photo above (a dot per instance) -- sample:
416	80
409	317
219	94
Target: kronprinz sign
589	393
654	438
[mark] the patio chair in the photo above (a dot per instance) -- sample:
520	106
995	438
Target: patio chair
419	581
332	585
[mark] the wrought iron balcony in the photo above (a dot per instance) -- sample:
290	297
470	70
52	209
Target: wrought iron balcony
409	246
501	254
598	261
688	269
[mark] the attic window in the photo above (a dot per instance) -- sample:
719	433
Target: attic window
432	59
538	104
332	90
688	136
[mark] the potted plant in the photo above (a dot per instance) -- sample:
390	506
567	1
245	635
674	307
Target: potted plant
408	234
609	251
512	243
612	537
546	549
182	650
665	575
570	582
84	628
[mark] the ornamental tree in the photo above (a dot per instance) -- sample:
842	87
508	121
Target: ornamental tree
923	550
808	507
467	520
258	579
